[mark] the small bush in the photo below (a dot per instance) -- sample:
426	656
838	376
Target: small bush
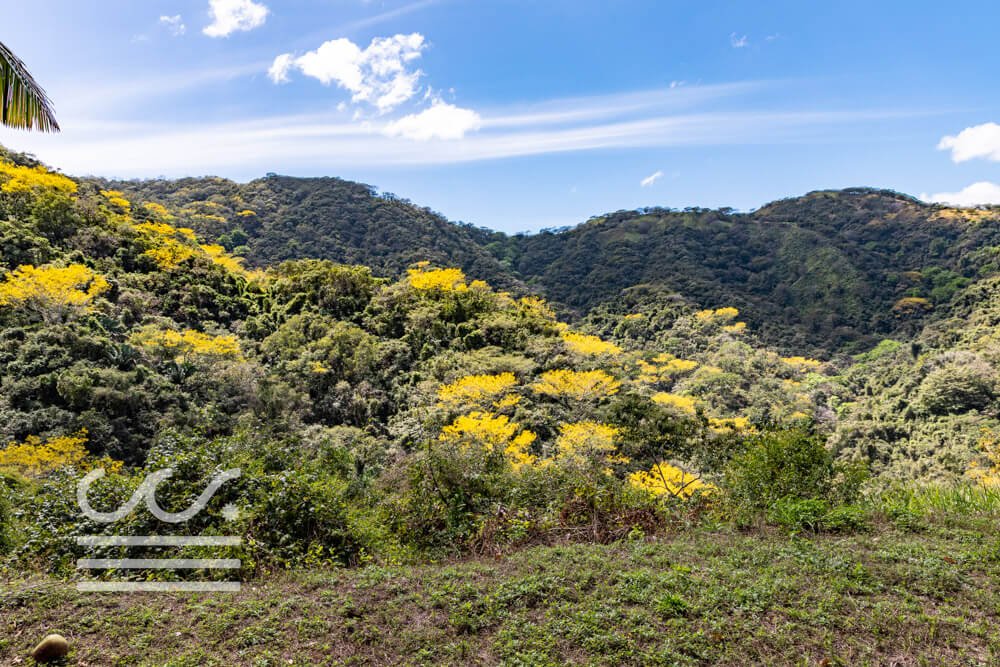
776	465
798	514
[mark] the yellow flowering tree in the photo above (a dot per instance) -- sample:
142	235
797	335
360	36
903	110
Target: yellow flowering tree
536	307
219	256
588	345
802	363
664	368
36	457
686	405
664	479
479	391
158	211
729	424
491	433
586	443
53	292
576	385
425	277
14	179
188	345
117	199
170	245
718	315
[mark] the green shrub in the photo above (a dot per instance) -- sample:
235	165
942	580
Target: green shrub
775	465
797	514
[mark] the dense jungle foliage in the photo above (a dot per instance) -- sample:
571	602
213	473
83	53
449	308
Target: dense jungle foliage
829	272
425	409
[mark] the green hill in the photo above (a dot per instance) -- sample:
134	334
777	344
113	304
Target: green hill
828	272
466	475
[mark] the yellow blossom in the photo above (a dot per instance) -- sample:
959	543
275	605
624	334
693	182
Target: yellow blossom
588	345
665	479
36	457
117	199
802	363
684	404
219	256
578	385
158	210
476	390
719	314
587	442
52	290
188	343
537	306
446	280
728	424
27	179
494	433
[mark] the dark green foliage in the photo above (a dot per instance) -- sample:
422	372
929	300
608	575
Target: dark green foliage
323	218
958	386
782	464
815	274
331	404
817	515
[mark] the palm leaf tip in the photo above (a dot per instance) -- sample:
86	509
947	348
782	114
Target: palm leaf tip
23	103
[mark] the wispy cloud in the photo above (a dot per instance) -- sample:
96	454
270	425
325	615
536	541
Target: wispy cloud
738	41
327	142
84	101
174	25
652	178
389	15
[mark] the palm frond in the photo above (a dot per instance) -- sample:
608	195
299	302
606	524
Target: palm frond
23	103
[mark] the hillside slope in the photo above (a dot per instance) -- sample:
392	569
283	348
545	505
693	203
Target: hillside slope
820	273
275	218
827	272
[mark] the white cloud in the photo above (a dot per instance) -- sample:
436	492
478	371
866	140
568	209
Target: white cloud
229	16
738	42
652	178
976	194
440	121
278	71
979	141
378	74
174	24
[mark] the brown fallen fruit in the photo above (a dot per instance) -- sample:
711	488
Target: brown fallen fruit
51	648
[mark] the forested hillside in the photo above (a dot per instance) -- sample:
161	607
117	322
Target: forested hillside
416	411
828	272
275	218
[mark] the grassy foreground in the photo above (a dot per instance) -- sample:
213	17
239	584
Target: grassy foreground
702	596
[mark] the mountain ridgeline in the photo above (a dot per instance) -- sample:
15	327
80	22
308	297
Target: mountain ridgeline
828	272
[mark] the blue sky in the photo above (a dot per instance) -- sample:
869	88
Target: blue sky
524	114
